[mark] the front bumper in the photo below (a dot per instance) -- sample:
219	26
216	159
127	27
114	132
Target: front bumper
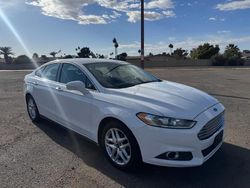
154	141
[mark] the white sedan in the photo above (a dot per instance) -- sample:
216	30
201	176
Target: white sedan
133	116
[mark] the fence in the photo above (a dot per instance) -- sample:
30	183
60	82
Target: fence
150	62
161	61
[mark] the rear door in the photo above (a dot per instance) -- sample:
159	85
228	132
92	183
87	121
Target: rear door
44	92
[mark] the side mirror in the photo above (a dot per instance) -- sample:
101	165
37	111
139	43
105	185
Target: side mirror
77	86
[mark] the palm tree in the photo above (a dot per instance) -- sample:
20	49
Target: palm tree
171	46
6	51
53	54
116	45
232	51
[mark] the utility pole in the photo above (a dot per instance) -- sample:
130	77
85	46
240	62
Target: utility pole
142	34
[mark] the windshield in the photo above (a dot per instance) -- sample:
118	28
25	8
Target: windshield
115	75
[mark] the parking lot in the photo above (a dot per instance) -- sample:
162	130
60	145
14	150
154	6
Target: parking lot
47	155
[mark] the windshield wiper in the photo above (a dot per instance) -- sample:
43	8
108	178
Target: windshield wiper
112	69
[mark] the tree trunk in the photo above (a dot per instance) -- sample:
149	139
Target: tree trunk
116	53
6	58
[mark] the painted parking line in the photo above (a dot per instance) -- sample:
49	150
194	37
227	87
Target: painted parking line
230	96
162	68
200	69
16	70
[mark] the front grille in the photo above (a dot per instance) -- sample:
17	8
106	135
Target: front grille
211	127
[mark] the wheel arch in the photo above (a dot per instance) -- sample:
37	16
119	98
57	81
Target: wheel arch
104	122
28	94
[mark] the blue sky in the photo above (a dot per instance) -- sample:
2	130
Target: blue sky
43	26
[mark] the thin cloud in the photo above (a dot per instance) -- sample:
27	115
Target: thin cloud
216	19
187	44
75	10
212	19
234	5
169	13
9	3
223	32
134	16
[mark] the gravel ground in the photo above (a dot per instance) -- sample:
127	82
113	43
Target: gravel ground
47	155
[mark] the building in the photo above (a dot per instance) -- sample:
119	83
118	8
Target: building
2	60
246	54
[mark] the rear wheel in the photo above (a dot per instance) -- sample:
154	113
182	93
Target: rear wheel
120	146
32	109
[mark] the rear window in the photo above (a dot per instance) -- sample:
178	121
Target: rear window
39	72
50	72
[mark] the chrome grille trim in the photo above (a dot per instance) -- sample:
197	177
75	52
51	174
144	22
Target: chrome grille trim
211	127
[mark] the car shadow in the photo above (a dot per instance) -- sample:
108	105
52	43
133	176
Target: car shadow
229	167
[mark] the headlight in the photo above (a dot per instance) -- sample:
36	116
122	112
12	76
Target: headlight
165	122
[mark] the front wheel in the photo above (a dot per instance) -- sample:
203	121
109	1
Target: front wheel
120	146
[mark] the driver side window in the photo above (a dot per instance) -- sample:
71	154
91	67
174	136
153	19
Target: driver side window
71	73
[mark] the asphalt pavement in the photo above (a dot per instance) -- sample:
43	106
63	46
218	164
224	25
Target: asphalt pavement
48	155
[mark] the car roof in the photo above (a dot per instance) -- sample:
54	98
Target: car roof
82	61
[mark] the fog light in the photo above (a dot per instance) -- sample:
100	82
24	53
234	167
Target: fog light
172	155
176	156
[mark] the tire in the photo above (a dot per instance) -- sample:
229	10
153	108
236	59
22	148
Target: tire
124	153
32	109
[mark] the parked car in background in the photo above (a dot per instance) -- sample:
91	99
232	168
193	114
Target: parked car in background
133	116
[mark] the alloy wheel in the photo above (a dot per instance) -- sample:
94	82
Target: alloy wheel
117	146
32	108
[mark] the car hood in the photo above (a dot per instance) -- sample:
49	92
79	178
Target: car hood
167	98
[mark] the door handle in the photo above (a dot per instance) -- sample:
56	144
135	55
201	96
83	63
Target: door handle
35	83
59	89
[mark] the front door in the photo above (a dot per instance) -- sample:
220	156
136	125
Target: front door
76	108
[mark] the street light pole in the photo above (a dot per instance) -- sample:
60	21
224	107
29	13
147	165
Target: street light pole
142	34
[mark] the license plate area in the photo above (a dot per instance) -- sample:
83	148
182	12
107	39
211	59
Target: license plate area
218	138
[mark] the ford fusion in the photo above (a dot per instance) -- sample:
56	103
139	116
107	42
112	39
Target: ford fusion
132	115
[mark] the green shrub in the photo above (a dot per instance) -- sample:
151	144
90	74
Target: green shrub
22	59
235	61
68	57
204	51
122	56
219	60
